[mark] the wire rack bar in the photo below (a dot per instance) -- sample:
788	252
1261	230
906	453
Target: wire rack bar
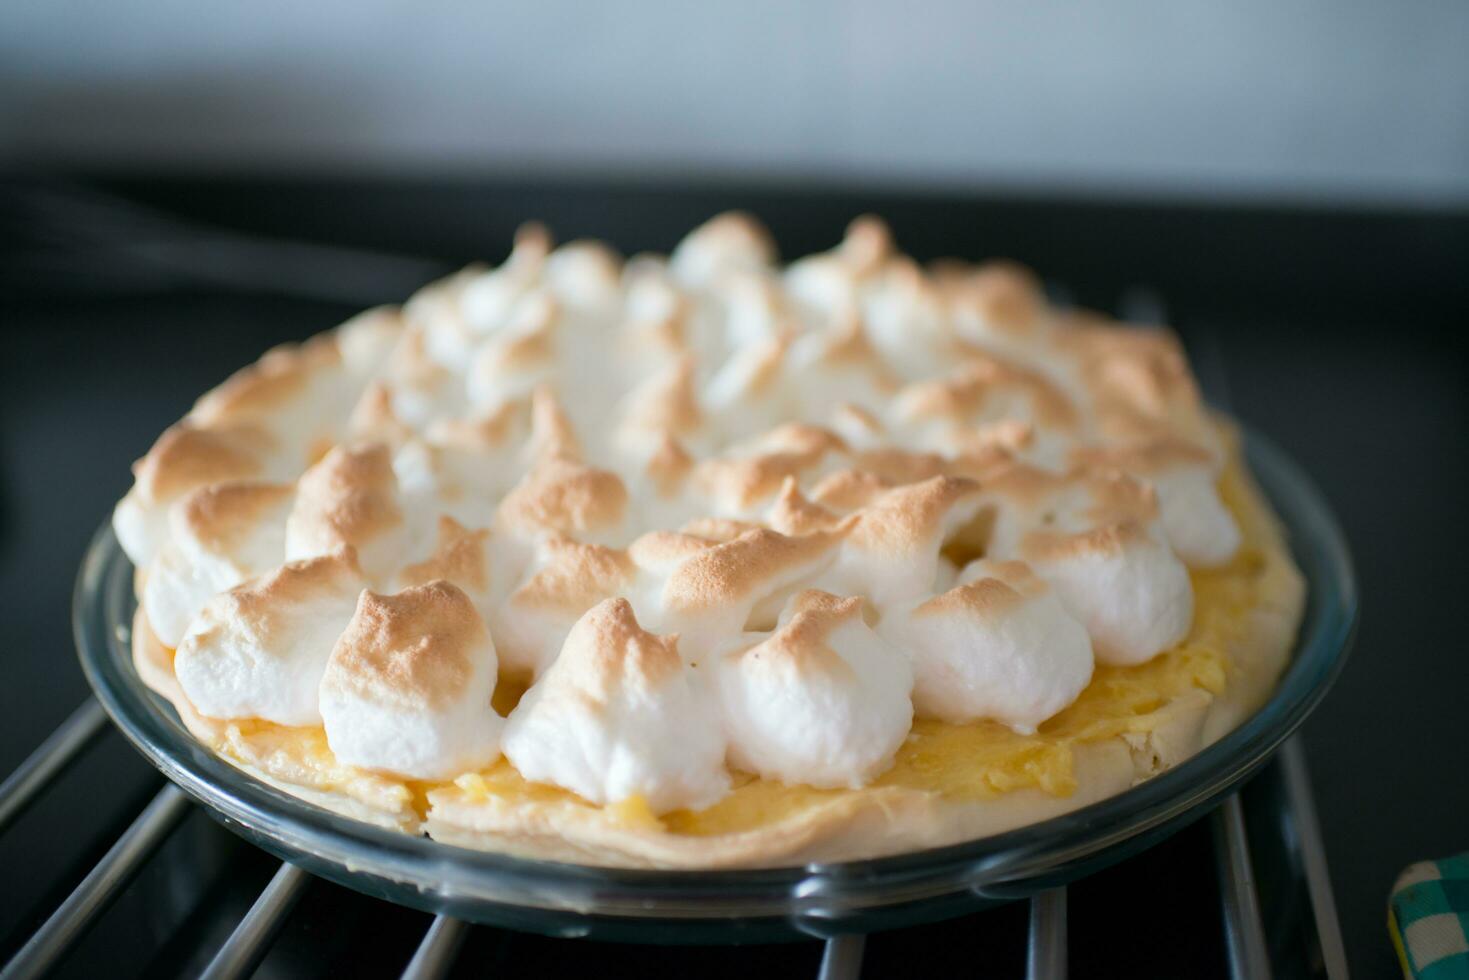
100	885
52	756
1302	807
842	957
250	941
1045	953
436	952
1244	933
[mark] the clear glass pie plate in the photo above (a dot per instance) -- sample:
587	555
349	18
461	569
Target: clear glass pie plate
722	906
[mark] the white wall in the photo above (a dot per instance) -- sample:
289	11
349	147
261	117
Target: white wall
1277	98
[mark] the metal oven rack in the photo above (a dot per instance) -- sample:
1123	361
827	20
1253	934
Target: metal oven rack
1046	948
1046	957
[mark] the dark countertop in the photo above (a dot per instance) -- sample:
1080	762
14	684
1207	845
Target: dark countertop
1337	333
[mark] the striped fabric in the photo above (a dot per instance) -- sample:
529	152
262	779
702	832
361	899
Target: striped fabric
1428	917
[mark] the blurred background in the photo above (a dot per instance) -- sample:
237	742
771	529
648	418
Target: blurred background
183	185
1346	102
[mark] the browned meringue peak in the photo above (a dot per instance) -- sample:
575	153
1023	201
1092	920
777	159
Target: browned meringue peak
220	535
1041	545
857	426
565	496
488	299
1003	437
668	467
552	434
258	393
838	364
740	572
898	466
435	309
822	701
728	242
867	245
519	355
849	489
907	321
1138	379
407	688
1100	493
663	406
373	419
499	428
793	514
618	715
994	300
366	340
220	517
742	481
1183	475
755	309
422	388
585	275
748	393
349	498
565	579
968	392
189	455
185	457
463	465
1095	536
460	556
890	548
828	282
659	320
989	588
258	650
661	551
412	648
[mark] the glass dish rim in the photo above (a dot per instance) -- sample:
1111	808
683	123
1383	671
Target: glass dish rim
430	873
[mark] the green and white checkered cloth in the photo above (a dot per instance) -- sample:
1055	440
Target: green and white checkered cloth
1428	917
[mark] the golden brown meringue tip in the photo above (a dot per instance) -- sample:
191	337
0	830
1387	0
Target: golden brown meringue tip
570	576
867	245
738	570
481	431
256	391
717	529
373	418
349	497
793	513
189	455
412	649
559	494
612	641
217	516
552	434
460	556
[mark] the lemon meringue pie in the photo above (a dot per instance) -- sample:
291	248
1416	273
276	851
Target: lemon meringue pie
702	561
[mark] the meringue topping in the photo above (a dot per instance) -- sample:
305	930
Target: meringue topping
618	715
997	645
818	479
349	498
259	650
823	700
222	535
407	687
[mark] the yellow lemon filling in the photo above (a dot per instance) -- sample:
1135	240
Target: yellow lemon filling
964	762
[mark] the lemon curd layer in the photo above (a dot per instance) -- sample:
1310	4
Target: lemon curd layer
963	762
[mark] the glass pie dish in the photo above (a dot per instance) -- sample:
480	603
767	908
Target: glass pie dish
811	900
